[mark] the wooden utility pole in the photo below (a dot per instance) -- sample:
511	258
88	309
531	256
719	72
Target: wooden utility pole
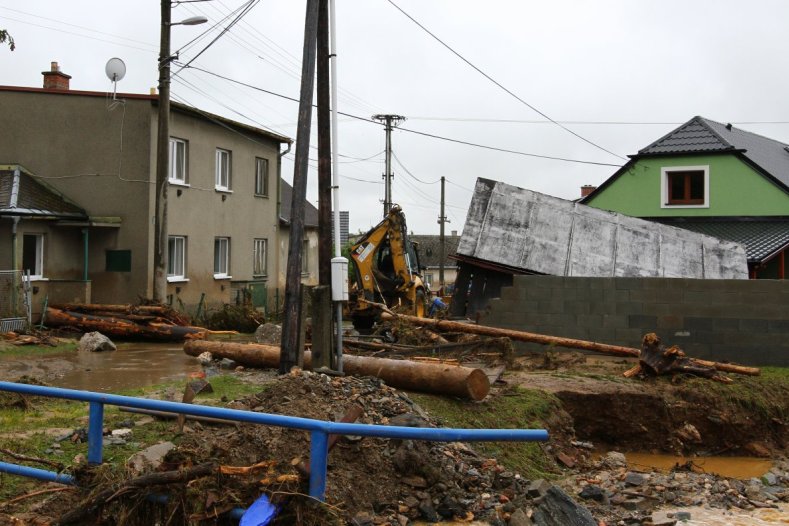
291	324
389	122
442	218
324	147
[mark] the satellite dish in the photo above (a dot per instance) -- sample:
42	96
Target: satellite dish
115	69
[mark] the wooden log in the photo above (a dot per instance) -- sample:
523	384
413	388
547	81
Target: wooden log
656	359
97	309
521	336
122	328
570	343
174	416
463	382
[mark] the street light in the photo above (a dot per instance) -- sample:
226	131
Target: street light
163	152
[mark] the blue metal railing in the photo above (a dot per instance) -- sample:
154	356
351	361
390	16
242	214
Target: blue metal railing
319	430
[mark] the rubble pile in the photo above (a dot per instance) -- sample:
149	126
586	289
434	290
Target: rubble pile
614	490
373	481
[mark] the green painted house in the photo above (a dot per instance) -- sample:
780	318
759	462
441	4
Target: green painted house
714	179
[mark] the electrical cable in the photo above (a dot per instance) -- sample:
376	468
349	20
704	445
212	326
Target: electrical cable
408	130
478	70
397	160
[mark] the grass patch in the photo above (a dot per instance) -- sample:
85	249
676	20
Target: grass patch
10	350
766	395
517	408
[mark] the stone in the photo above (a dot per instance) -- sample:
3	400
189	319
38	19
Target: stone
565	459
635	503
450	508
402	520
362	519
614	459
149	459
205	358
411	501
123	432
415	481
689	433
428	511
682	515
661	518
559	509
95	342
770	479
519	518
227	363
538	488
635	479
269	333
592	492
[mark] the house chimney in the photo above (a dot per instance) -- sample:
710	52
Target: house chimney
55	79
454	233
587	189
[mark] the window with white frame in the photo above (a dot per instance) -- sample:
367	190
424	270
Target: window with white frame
261	176
259	257
33	255
685	187
178	151
223	166
176	258
305	259
221	257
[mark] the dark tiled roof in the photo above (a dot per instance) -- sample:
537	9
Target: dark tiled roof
33	197
310	212
430	249
700	135
762	239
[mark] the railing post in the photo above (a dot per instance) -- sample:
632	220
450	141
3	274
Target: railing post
319	453
95	432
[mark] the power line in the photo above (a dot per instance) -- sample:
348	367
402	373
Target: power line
596	123
409	173
478	70
408	130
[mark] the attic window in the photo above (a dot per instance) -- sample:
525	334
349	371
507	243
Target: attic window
685	187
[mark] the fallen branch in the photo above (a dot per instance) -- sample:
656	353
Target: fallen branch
91	506
172	416
656	359
35	494
18	456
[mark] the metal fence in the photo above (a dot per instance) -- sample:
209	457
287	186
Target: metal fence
319	430
15	306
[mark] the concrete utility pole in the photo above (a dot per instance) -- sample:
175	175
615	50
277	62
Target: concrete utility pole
162	161
291	324
390	121
163	151
442	218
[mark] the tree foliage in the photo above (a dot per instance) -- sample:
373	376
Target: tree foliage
5	36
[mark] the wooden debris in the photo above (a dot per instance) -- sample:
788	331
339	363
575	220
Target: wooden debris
122	327
615	350
452	380
656	359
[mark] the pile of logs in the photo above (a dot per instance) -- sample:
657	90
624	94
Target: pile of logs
141	322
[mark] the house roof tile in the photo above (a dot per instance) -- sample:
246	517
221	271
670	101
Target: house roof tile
22	194
700	135
430	249
310	212
762	239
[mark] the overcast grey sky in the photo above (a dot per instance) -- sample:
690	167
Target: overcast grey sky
653	63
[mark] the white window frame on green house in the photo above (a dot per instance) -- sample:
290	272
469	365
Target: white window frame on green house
176	259
665	175
261	177
224	167
222	258
179	150
37	272
260	257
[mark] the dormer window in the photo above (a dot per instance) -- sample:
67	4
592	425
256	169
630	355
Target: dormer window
685	187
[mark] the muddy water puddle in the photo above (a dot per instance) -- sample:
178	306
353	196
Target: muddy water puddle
132	365
731	467
761	517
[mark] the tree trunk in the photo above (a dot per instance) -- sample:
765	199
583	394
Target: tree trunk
453	380
122	328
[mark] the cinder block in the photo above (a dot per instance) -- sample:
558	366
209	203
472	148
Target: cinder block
535	293
725	325
630	307
778	326
575	307
550	306
630	337
616	295
602	307
615	321
694	323
643	295
668	295
590	320
654	283
641	321
564	294
751	326
669	322
629	283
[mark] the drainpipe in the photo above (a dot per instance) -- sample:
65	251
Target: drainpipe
15	222
279	178
280	155
85	249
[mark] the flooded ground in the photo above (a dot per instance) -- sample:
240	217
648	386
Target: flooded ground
733	467
761	517
132	365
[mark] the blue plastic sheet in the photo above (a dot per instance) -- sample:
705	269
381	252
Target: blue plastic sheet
261	513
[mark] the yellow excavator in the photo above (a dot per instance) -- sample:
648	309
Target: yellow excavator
386	268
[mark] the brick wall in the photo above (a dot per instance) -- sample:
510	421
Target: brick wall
745	321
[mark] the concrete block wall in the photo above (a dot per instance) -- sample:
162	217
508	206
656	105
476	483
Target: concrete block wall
745	321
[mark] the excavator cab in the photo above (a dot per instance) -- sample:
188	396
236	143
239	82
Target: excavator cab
386	268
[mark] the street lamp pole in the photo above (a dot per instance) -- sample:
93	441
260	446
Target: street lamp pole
162	161
163	152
